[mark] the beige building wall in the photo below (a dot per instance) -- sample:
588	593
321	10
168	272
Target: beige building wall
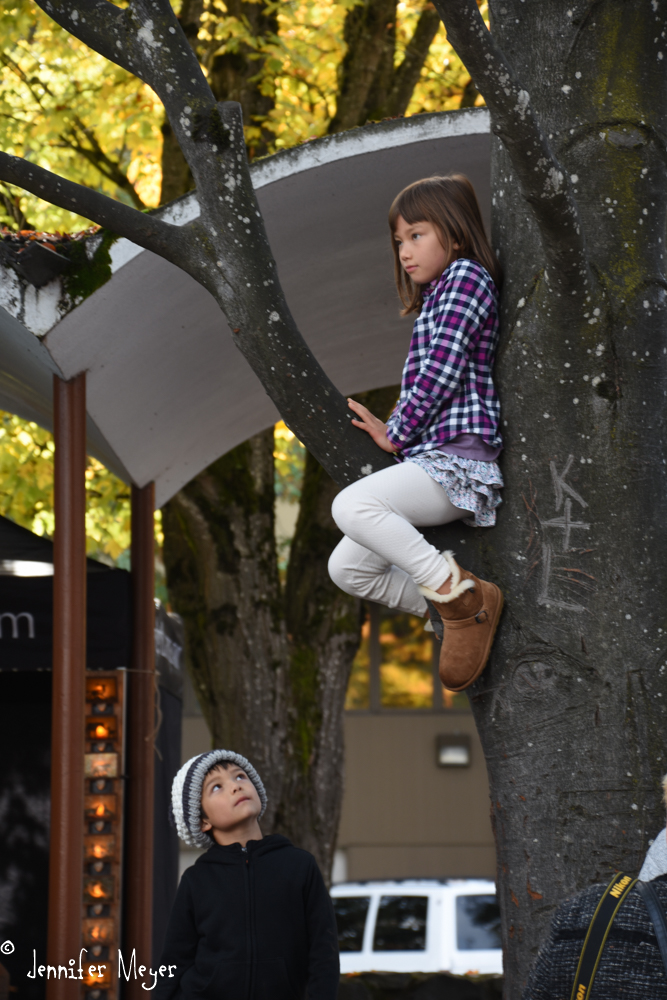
403	815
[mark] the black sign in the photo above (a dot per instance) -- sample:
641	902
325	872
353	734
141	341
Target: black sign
26	621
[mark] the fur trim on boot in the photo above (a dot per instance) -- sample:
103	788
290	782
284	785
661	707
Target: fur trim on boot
469	616
458	585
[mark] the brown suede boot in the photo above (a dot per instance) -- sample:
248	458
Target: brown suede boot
469	616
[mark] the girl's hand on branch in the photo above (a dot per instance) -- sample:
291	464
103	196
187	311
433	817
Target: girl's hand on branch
372	425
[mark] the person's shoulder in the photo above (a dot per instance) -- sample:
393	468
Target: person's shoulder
290	850
280	847
577	911
468	277
660	885
281	851
196	870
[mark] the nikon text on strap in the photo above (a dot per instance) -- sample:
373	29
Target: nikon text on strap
596	937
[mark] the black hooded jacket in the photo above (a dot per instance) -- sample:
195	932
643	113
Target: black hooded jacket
252	924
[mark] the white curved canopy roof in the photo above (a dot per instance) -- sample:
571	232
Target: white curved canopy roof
168	392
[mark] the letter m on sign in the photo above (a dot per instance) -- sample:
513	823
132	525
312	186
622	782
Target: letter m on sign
7	618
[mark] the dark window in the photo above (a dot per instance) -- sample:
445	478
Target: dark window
477	923
401	924
351	914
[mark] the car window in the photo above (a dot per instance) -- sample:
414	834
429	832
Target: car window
401	924
477	923
351	913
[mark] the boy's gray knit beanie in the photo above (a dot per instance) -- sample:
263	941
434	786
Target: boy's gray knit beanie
187	787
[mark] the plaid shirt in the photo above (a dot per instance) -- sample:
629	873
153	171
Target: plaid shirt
447	386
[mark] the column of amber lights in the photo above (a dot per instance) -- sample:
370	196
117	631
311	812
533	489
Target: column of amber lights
103	833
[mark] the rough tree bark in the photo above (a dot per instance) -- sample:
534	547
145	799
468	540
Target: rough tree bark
270	665
571	709
371	87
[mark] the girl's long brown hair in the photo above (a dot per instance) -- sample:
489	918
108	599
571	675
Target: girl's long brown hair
450	205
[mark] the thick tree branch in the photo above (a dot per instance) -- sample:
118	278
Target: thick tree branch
544	182
144	229
365	33
406	76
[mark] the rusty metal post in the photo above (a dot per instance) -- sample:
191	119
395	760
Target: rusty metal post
69	667
140	735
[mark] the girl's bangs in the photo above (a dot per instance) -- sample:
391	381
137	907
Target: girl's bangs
410	206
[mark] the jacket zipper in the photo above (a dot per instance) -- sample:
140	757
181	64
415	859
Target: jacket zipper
250	923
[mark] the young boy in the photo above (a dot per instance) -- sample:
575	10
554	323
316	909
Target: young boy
252	919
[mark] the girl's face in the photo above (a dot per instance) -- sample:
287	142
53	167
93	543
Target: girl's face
420	251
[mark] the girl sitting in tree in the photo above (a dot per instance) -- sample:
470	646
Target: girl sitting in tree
444	432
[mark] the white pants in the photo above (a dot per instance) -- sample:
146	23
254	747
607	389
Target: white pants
383	557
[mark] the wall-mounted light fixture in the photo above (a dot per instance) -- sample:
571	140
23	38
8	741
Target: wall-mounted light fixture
452	750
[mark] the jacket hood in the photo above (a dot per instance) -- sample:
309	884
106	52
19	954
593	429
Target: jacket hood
231	854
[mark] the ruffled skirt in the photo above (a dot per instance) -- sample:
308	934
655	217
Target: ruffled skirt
469	484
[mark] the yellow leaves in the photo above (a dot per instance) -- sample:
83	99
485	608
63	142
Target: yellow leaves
282	431
26	491
405	667
52	89
26	474
444	76
289	457
58	98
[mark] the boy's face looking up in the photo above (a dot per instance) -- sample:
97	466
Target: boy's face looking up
230	806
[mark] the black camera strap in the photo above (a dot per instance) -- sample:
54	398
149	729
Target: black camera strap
596	936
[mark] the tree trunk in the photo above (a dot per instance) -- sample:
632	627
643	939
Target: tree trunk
571	711
469	95
370	86
270	667
324	630
239	76
222	575
323	626
406	76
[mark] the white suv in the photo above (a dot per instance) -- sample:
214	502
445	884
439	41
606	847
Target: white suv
419	925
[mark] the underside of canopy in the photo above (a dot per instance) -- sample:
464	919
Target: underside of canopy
168	392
